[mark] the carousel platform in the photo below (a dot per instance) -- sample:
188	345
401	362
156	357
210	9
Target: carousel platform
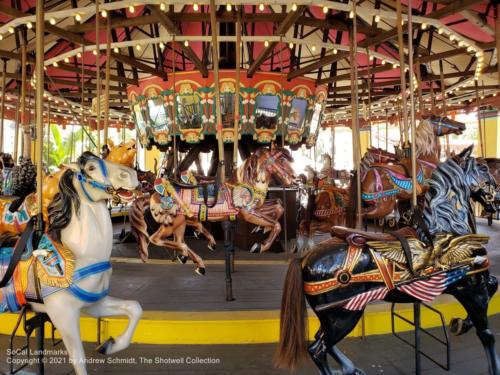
181	307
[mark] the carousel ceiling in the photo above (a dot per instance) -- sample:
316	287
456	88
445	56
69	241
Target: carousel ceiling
453	42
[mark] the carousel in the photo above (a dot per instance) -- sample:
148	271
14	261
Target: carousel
327	168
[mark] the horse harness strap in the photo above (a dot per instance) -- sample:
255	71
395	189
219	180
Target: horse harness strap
83	273
406	249
18	252
82	178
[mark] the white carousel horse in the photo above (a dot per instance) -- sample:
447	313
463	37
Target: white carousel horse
79	219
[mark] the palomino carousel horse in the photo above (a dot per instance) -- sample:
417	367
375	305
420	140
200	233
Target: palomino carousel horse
68	271
174	205
341	275
383	184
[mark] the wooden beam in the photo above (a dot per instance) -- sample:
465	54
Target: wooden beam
441	55
364	72
283	27
170	26
139	65
92	73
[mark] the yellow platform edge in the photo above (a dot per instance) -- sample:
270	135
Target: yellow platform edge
243	327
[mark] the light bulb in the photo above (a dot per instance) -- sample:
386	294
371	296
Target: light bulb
116	49
104	13
11	30
66	59
377	18
261	7
423	26
440	31
313	48
351	14
229	7
186	43
370	58
325	9
266	44
162	45
196	7
452	37
290	45
94	52
163	6
335	51
55	64
1	37
294	7
78	17
138	47
131	9
52	21
79	55
29	25
383	62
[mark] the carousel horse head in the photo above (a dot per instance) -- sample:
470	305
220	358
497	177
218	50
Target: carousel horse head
123	154
444	125
452	185
93	179
277	162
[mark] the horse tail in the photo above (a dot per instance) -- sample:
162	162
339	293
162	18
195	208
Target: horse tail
352	205
139	227
293	324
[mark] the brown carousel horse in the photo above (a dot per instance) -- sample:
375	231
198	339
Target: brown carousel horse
383	184
175	205
341	275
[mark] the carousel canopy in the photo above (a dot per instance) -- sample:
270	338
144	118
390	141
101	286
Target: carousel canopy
453	42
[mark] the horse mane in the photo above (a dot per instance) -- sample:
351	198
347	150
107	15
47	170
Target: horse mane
426	142
60	210
447	201
249	169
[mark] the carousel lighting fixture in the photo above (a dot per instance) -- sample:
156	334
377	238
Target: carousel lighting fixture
162	45
229	7
423	26
29	25
11	30
266	44
94	52
313	48
79	55
261	7
482	97
138	47
52	21
116	49
370	57
186	43
66	59
131	9
163	6
470	49
440	31
383	62
55	64
495	94
196	7
351	14
377	18
461	43
452	37
1	37
335	51
294	7
290	45
78	17
104	13
325	9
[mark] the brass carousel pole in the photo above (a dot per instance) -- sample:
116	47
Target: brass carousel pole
48	132
108	68
399	21
479	125
82	112
215	58
26	140
174	122
40	26
16	129
2	108
386	130
237	93
443	99
421	105
285	229
98	78
355	115
370	104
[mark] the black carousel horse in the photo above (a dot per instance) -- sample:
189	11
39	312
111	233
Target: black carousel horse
341	275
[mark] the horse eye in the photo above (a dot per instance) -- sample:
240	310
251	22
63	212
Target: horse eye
91	168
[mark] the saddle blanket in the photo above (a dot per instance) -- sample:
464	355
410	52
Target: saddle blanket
53	266
196	203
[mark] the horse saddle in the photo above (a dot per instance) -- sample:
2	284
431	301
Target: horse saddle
357	237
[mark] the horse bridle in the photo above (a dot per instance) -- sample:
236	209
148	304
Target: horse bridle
84	179
441	124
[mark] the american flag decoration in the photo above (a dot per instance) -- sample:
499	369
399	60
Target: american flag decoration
424	290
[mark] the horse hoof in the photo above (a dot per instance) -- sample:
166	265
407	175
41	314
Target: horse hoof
105	347
257	229
182	258
460	326
255	248
196	234
200	271
211	247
